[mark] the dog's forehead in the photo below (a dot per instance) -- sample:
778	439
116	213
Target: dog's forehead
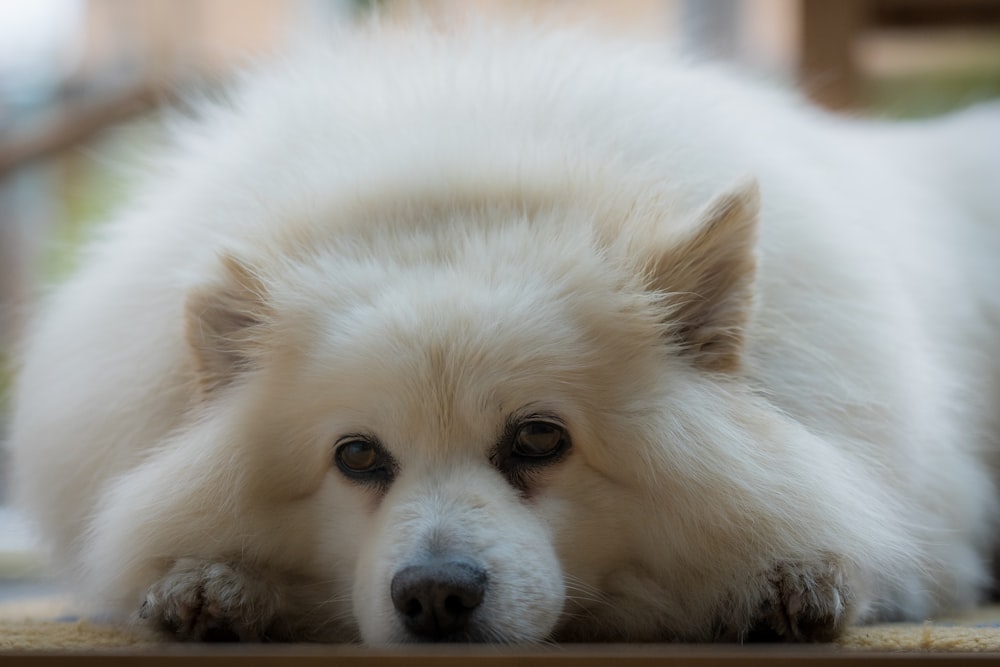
446	350
445	331
452	355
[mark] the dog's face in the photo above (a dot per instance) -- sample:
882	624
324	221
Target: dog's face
464	418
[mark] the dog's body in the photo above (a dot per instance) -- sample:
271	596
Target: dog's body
506	316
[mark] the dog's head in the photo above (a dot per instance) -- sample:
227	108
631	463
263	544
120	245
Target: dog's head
457	421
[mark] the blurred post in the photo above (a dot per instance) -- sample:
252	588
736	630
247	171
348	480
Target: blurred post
829	73
38	48
712	29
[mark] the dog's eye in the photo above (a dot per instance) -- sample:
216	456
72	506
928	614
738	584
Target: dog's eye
362	459
539	440
528	447
358	456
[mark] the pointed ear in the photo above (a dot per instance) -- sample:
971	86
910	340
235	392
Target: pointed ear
224	323
708	277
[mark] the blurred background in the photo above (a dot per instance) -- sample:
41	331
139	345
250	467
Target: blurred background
83	84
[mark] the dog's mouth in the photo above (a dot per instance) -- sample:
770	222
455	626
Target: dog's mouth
458	557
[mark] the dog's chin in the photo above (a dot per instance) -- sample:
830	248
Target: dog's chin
474	634
477	632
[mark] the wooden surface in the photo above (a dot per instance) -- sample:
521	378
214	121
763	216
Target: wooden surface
485	656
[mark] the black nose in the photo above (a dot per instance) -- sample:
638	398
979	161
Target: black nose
435	599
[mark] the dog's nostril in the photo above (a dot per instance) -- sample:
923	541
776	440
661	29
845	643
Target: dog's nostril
454	605
435	599
413	608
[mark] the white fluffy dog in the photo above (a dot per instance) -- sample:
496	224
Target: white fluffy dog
509	336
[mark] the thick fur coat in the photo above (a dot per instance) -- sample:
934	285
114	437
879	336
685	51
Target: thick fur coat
511	336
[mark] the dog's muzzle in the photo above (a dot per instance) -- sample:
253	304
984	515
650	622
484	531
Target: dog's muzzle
436	599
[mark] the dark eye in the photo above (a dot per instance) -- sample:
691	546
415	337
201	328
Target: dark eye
538	440
362	459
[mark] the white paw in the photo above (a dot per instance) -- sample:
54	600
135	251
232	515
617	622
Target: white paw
805	603
200	600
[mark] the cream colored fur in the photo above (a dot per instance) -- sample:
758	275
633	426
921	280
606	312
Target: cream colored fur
770	333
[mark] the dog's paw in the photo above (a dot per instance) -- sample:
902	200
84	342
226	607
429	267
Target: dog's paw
210	601
805	603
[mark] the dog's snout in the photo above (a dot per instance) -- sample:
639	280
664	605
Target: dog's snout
436	599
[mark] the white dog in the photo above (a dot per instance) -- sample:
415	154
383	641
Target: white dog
506	336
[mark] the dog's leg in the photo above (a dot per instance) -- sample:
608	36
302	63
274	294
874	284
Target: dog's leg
198	600
804	603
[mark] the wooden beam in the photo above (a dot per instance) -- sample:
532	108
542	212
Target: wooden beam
827	69
54	131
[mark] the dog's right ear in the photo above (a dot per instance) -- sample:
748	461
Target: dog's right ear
224	323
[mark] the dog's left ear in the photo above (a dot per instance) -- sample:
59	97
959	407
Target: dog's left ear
708	277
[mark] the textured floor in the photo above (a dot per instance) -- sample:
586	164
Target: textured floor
34	624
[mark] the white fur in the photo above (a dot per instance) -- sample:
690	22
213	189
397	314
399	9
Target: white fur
453	231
